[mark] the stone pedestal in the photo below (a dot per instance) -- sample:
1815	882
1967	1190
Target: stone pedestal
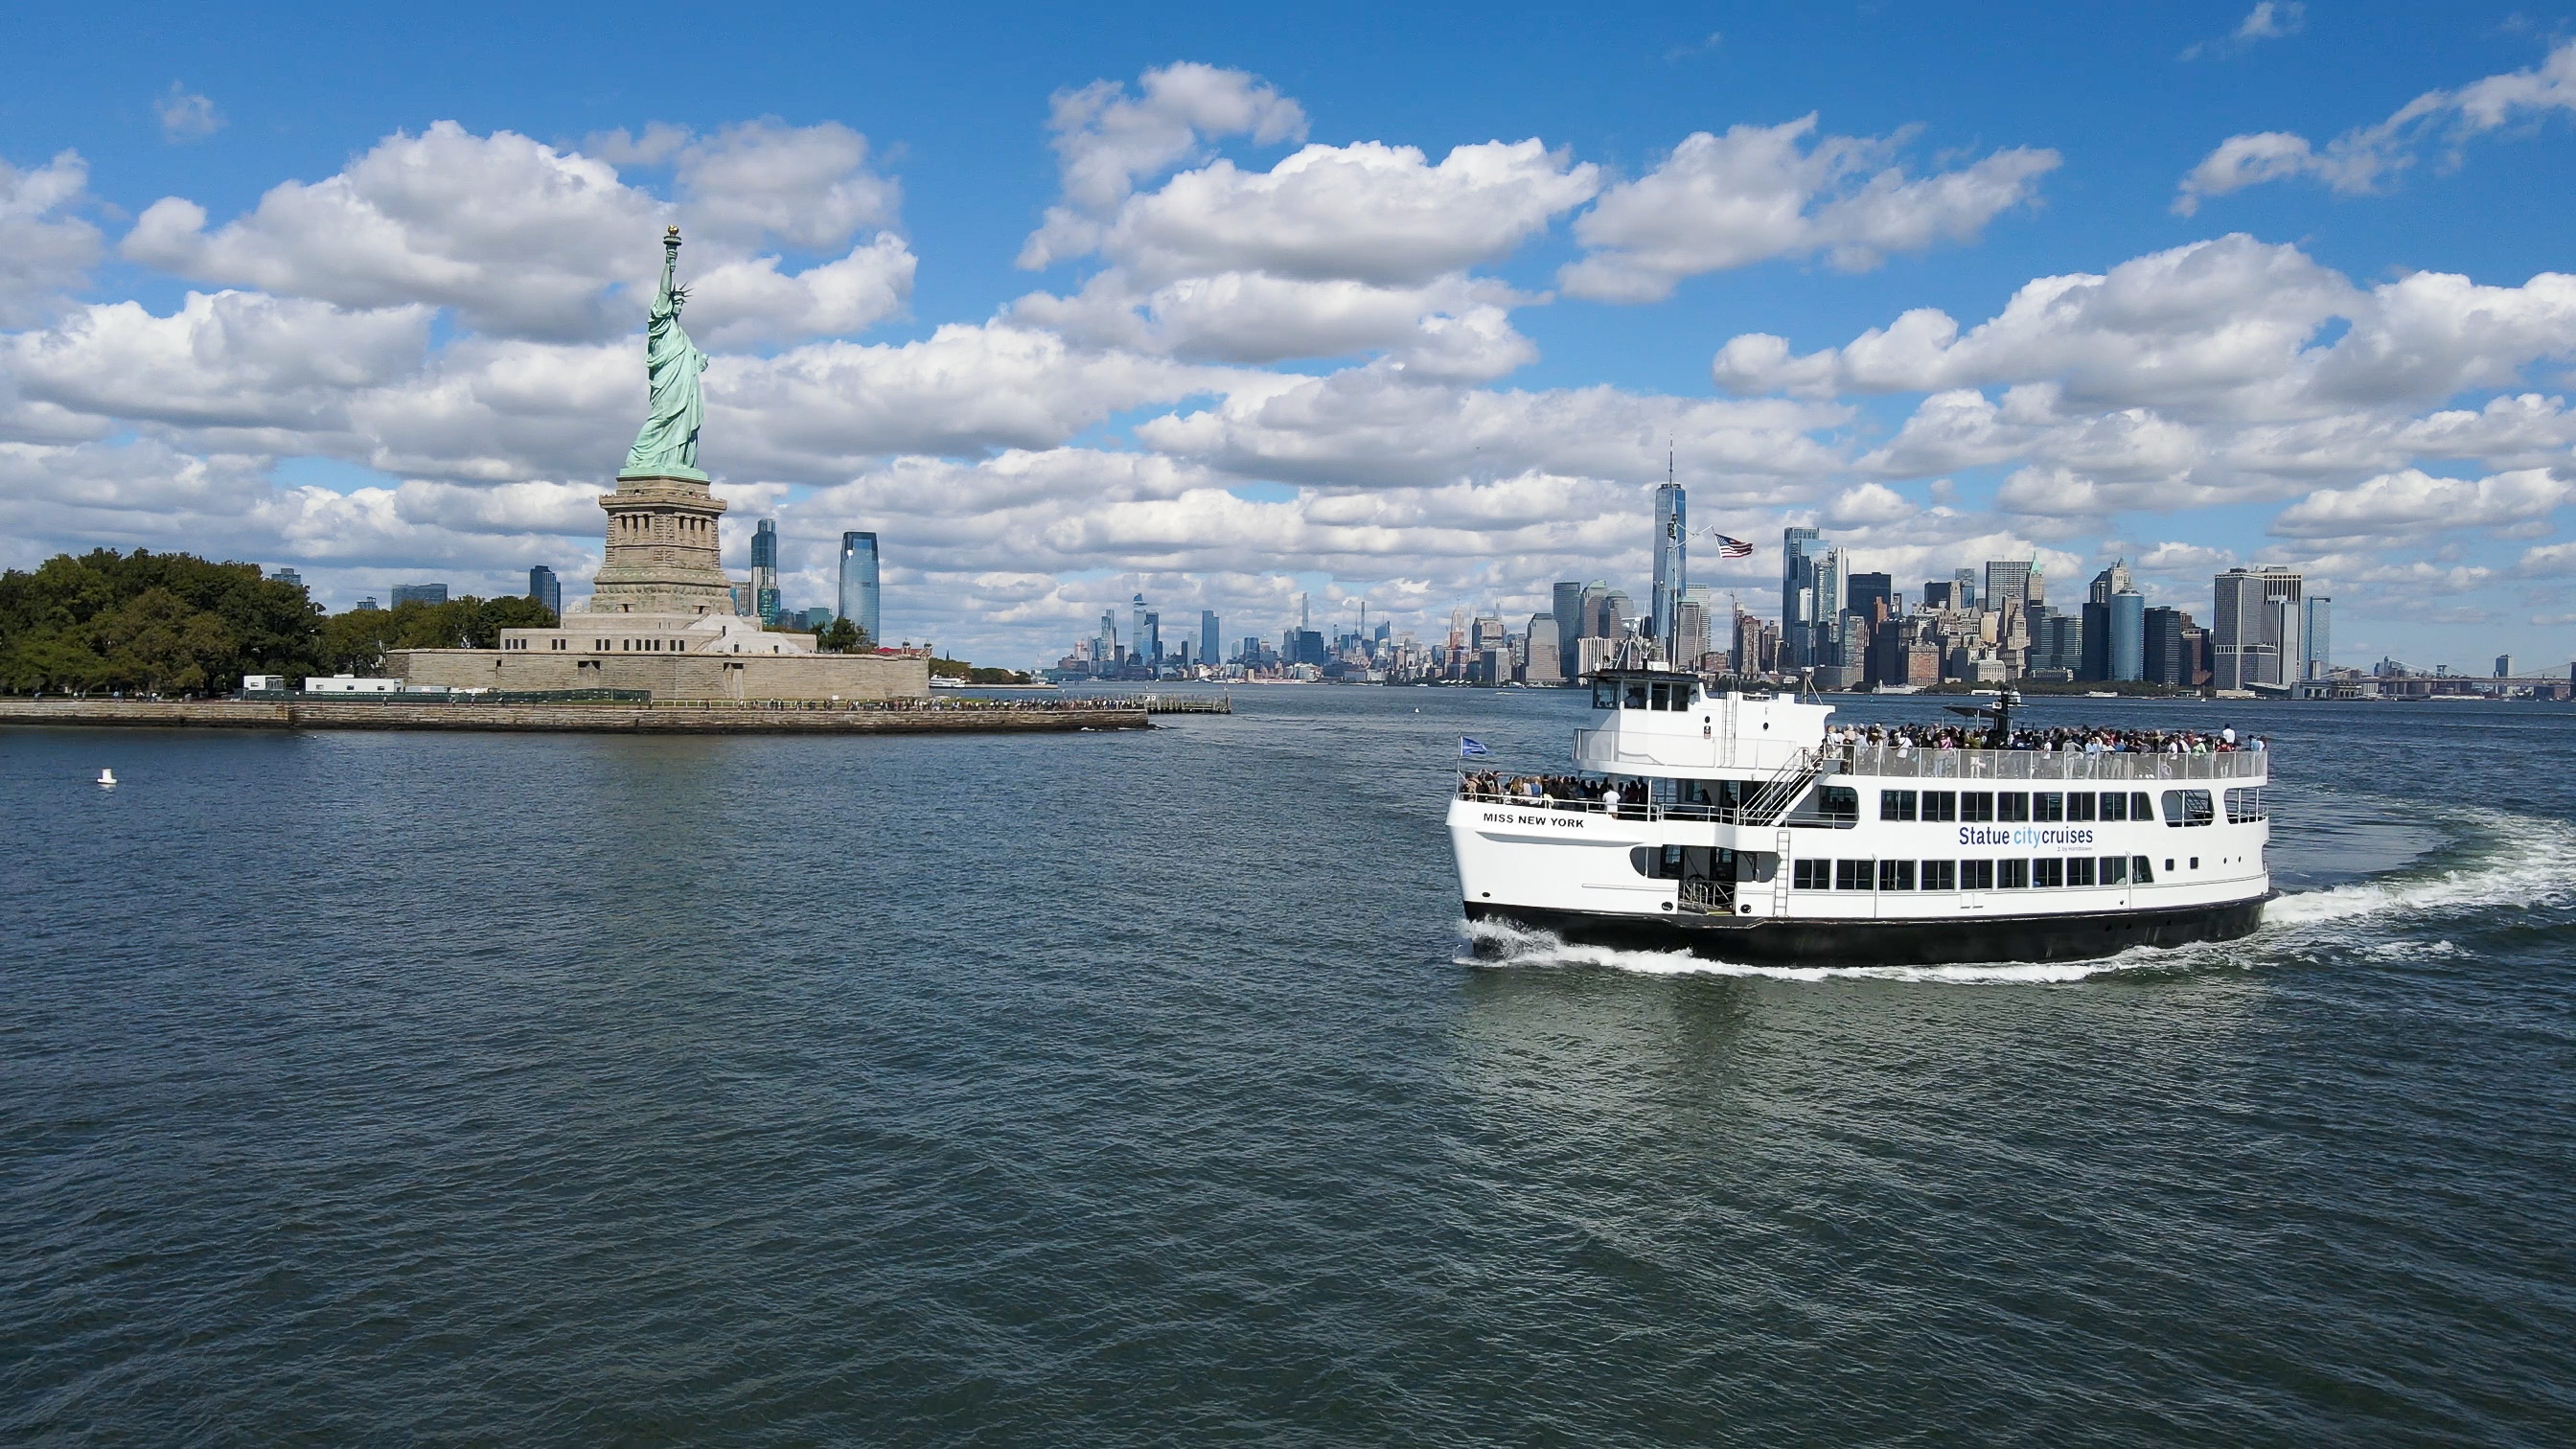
662	556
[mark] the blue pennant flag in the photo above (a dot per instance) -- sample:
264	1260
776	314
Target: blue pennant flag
1470	750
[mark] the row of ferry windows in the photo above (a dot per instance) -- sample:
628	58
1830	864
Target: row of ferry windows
2181	807
1973	875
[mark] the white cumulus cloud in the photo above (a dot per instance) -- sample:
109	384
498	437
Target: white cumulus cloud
2362	159
1760	192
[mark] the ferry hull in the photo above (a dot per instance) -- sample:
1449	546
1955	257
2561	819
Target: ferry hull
1773	941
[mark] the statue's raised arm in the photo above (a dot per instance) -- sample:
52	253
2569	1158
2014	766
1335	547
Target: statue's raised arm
668	444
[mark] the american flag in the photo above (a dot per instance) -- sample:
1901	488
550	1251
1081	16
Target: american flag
1732	547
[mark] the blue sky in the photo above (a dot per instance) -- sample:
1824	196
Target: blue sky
1176	427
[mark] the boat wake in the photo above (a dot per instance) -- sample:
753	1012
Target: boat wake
2496	862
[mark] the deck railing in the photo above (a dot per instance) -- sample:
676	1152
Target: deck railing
1931	764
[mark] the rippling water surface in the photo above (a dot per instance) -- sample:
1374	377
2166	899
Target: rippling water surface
1126	1088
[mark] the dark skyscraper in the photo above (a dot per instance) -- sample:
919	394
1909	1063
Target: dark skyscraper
546	589
1872	596
1211	640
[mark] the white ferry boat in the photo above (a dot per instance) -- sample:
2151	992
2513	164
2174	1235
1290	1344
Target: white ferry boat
1729	823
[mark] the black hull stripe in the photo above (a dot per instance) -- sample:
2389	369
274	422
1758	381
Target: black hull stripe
1890	943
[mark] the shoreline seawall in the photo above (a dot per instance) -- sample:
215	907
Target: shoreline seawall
586	718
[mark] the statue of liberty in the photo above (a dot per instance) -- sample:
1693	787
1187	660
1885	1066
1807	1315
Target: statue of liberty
668	445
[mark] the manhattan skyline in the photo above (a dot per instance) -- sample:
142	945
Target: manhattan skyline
1220	312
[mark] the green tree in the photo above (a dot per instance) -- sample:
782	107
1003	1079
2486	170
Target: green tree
81	622
843	637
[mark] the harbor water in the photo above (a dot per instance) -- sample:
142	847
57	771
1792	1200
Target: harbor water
1120	1088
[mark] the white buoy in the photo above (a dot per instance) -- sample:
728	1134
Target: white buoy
107	778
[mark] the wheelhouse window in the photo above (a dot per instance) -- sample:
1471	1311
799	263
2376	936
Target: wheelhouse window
1634	696
2079	805
1669	695
2048	806
1897	804
2012	875
1977	806
1605	694
1810	875
2012	805
1940	875
1940	804
1977	875
1896	875
1853	875
2047	874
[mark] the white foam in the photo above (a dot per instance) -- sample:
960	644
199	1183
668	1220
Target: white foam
2523	862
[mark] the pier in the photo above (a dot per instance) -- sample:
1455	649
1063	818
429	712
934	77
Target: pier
685	717
1183	703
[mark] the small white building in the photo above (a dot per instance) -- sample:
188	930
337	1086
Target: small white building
349	684
254	683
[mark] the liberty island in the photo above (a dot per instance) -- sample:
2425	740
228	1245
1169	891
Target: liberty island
661	617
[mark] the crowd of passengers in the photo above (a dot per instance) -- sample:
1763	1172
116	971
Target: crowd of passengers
1905	738
1553	790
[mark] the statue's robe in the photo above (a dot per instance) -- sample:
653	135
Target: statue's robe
672	365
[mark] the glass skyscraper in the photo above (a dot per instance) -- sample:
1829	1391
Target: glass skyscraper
1799	605
1672	562
859	583
1211	640
546	589
764	573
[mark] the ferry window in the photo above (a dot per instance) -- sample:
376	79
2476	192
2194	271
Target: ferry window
2079	806
1852	875
2047	874
1895	804
1976	805
1605	694
1977	875
2244	805
2195	807
2048	805
2014	876
1896	875
2142	872
1636	695
1657	862
2080	872
1809	875
1940	804
2012	805
1842	802
2115	806
2115	870
1940	875
2139	808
